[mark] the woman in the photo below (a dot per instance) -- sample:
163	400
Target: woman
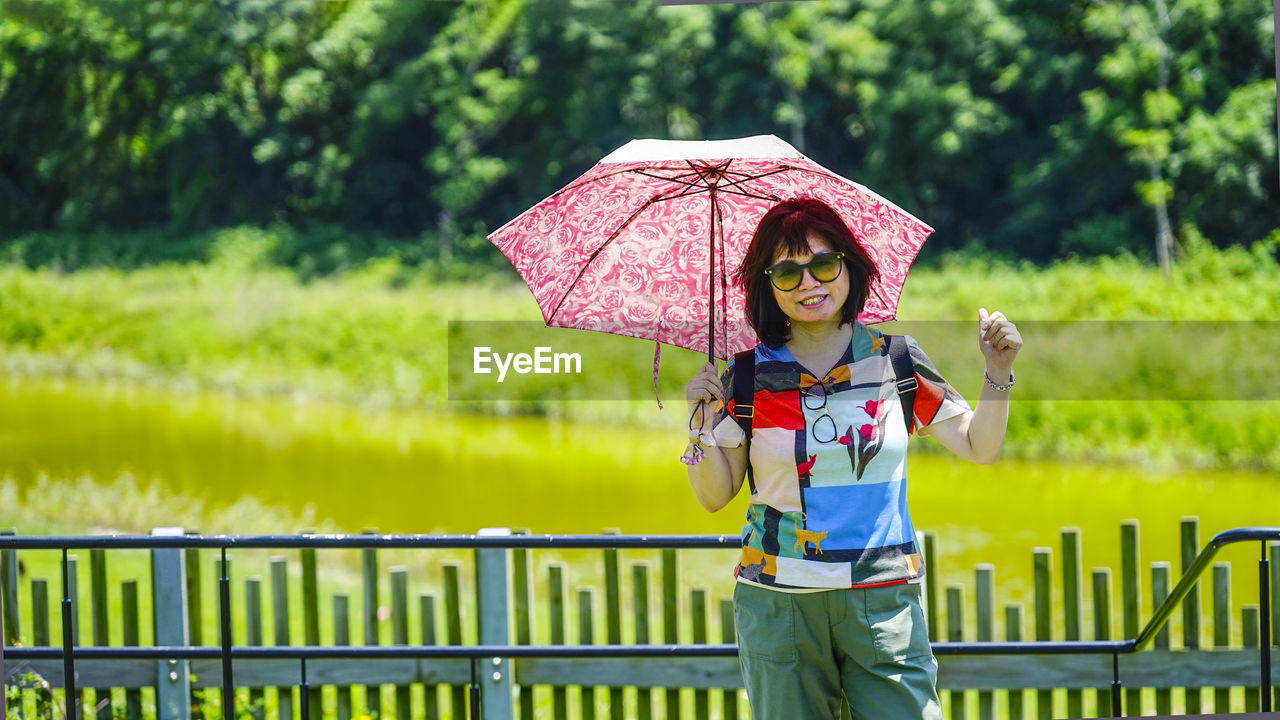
827	601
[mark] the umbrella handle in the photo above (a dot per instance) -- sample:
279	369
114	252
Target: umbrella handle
693	452
696	408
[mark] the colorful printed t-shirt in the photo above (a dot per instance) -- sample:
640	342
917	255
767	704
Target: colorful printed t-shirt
832	514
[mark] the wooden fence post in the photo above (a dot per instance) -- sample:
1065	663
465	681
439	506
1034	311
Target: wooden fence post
8	613
931	587
1191	604
280	623
1041	557
400	632
101	624
453	631
556	622
1275	607
130	626
729	634
521	593
430	693
1221	626
492	601
955	633
1249	620
195	611
1159	593
1102	629
10	634
1013	633
586	636
40	638
4	696
172	626
613	616
1072	614
4	607
342	636
1131	591
1274	562
311	621
698	608
254	636
195	604
640	613
71	589
670	622
369	617
985	586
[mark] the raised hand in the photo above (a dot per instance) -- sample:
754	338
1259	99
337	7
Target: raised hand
998	339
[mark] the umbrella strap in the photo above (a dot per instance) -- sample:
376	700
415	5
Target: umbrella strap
744	388
744	398
657	356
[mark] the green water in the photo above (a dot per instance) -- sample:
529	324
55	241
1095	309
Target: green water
436	472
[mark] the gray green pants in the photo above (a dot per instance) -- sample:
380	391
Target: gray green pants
801	652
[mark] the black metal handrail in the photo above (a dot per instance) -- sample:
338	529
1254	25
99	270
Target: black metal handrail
227	652
363	540
365	652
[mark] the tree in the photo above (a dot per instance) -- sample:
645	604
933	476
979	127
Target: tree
1168	100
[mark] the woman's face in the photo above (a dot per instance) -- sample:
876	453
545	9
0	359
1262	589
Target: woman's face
813	303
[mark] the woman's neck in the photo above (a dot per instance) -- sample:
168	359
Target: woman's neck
818	340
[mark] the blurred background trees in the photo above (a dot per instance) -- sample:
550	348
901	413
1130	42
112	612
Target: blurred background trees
1032	128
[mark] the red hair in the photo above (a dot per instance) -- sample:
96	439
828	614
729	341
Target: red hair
786	226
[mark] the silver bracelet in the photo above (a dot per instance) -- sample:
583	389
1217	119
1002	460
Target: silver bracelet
994	386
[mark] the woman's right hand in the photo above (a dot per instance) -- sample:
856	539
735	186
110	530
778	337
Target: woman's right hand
705	386
718	478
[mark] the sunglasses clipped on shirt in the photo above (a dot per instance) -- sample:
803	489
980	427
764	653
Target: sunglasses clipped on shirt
787	275
815	399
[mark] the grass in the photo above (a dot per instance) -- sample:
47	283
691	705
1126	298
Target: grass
376	333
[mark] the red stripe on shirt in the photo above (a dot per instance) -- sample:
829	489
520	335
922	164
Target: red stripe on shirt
778	410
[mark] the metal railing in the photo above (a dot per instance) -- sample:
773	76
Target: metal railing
493	562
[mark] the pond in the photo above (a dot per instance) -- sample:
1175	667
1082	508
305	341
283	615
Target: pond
435	471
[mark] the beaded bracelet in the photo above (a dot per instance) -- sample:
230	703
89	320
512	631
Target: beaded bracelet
994	385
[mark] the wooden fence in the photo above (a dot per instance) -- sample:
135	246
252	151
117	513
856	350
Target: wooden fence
1185	675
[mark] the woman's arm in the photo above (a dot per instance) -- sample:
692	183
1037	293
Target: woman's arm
717	478
978	435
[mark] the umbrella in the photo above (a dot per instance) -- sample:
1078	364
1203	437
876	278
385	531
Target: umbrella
644	244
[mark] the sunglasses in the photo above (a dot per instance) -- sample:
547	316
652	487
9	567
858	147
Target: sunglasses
815	399
787	275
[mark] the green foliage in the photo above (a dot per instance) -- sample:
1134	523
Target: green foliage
126	505
375	334
1029	128
17	682
1198	146
319	251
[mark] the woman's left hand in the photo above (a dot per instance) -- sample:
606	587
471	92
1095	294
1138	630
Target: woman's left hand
998	339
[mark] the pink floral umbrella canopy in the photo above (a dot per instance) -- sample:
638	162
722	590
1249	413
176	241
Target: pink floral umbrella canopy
646	243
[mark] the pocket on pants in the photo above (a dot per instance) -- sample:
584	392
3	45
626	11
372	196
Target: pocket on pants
765	623
897	623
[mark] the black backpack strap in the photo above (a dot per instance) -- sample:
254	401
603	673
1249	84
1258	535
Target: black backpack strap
905	372
744	390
